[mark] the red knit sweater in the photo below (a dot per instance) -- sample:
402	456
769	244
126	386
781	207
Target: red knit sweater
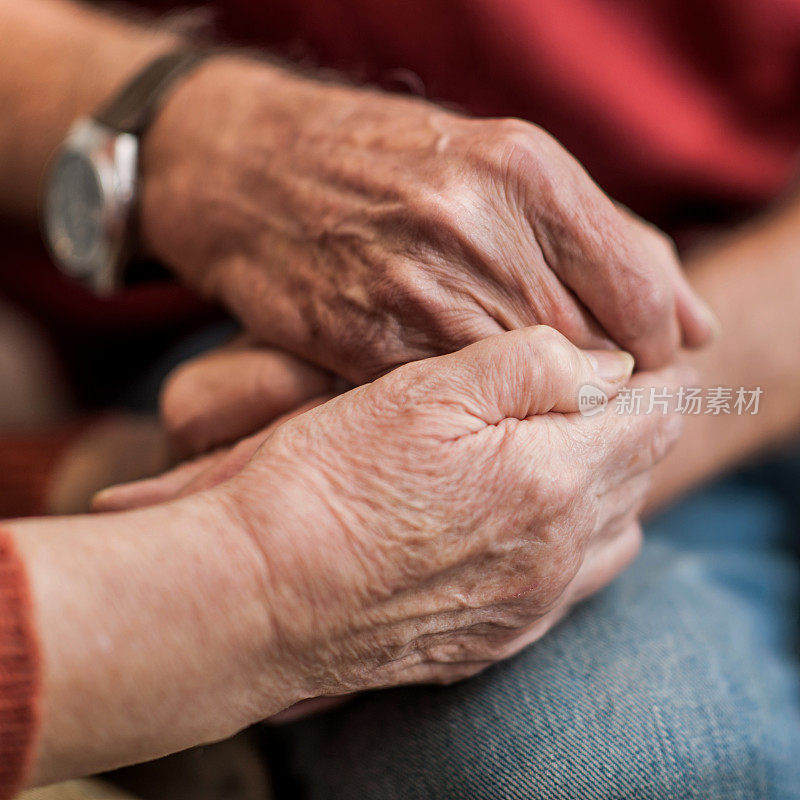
19	671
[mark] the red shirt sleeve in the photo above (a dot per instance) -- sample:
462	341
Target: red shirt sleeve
19	671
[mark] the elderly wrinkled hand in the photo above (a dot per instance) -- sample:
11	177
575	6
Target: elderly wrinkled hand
421	527
361	230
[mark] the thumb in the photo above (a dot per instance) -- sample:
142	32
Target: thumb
523	373
221	396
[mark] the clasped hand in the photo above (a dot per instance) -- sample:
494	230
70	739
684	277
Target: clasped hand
422	526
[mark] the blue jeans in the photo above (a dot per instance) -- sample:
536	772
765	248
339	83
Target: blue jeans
681	680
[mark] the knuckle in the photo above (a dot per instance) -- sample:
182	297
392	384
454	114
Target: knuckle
659	246
513	127
444	214
485	640
510	146
402	288
557	489
550	349
405	312
559	362
650	445
566	318
478	643
634	539
423	318
662	243
510	615
510	132
546	336
650	301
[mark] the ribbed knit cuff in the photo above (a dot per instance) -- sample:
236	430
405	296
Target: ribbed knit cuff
19	671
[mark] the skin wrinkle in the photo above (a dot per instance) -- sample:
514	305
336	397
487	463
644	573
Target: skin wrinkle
459	605
378	505
424	639
493	626
348	182
448	556
563	250
218	209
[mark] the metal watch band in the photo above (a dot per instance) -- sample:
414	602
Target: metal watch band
134	106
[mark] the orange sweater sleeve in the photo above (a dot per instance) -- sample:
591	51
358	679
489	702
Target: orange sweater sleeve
19	671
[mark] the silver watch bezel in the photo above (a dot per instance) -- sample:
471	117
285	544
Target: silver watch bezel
113	156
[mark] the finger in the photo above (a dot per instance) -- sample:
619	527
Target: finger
518	374
637	438
600	567
699	325
229	393
137	494
237	456
614	275
539	297
606	559
622	269
194	476
308	708
623	501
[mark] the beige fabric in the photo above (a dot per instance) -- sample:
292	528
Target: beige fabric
76	790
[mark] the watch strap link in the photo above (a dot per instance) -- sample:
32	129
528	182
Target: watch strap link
134	106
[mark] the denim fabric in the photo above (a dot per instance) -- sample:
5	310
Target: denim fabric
681	680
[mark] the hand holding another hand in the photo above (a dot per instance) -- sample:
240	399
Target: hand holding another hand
361	230
421	527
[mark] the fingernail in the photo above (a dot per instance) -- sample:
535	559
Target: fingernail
109	493
104	493
99	499
613	366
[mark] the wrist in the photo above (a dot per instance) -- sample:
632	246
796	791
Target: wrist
194	159
153	632
243	524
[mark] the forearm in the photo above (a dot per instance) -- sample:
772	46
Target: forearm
753	283
59	59
152	627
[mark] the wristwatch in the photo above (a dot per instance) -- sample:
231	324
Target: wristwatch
89	209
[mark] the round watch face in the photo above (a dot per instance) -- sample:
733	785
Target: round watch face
73	213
